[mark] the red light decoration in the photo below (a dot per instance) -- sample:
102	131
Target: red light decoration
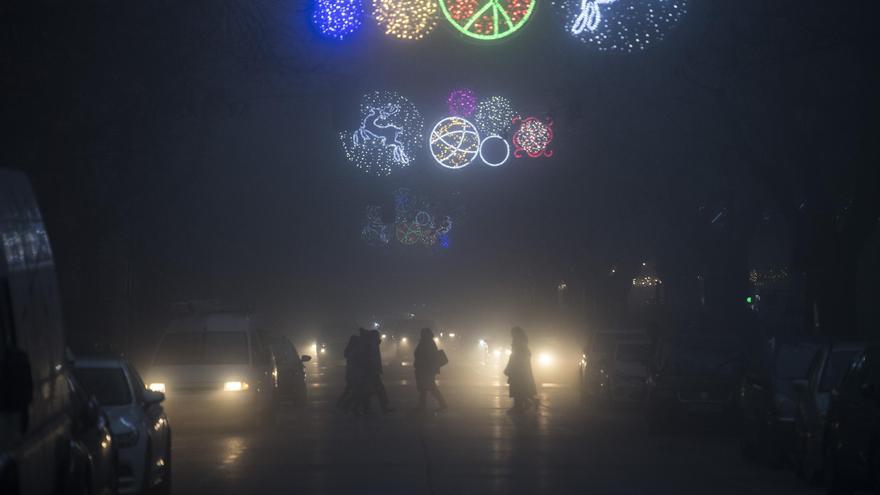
533	137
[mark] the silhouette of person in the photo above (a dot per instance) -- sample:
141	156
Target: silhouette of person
354	373
427	365
519	372
374	372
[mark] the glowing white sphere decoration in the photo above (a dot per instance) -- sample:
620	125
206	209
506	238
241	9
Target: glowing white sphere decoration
389	135
455	142
494	115
406	19
494	162
621	25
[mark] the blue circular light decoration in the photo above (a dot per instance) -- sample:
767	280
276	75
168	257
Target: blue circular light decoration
337	18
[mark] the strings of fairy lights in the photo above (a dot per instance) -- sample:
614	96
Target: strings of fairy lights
607	25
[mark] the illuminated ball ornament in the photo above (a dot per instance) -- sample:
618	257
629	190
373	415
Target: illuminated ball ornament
494	150
494	115
389	135
406	19
487	19
455	142
462	103
621	25
337	18
533	138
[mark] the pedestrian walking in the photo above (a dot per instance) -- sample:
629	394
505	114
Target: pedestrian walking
519	373
427	363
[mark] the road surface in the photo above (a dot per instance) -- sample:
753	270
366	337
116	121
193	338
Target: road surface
474	447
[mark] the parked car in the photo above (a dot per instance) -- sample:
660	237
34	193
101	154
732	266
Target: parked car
692	376
768	402
852	437
291	372
215	368
598	352
622	376
138	422
92	440
36	414
813	397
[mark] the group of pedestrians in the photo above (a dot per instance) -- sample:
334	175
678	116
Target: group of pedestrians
363	373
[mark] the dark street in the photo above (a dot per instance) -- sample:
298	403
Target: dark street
474	447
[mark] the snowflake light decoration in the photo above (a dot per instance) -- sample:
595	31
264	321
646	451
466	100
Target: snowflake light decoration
487	19
533	137
621	25
337	18
389	135
454	142
494	115
406	19
462	103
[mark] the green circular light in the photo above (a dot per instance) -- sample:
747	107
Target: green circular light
490	20
749	300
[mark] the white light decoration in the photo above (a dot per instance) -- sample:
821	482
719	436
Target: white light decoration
406	19
533	138
506	152
454	142
494	115
621	25
389	134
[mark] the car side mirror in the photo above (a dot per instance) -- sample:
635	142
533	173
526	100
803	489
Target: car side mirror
152	397
306	358
16	383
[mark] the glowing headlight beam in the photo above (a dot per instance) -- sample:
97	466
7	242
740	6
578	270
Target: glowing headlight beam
157	387
235	386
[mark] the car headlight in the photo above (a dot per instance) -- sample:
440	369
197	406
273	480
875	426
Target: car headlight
235	386
157	387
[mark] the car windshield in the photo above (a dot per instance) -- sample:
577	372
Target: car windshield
835	368
633	353
194	348
794	362
108	385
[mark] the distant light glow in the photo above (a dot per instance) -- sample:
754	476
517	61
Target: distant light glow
487	19
403	340
337	18
616	25
533	137
406	19
646	281
546	359
157	387
452	335
462	103
494	115
235	386
454	142
497	353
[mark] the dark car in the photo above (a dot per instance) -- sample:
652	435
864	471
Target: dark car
768	402
692	376
94	453
291	372
813	397
852	436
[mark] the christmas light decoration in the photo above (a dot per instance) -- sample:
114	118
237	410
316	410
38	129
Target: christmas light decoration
462	103
487	19
494	138
454	142
375	232
494	116
533	137
406	19
337	18
621	25
389	135
646	281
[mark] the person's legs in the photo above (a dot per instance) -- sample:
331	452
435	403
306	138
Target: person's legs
423	398
382	395
441	401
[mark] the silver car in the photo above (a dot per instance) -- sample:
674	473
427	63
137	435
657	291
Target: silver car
137	422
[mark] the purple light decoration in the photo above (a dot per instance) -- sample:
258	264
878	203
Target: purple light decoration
462	102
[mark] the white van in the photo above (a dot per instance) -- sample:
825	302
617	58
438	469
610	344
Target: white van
36	413
215	368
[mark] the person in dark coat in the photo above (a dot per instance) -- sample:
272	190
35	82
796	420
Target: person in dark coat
519	373
374	372
427	365
354	372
